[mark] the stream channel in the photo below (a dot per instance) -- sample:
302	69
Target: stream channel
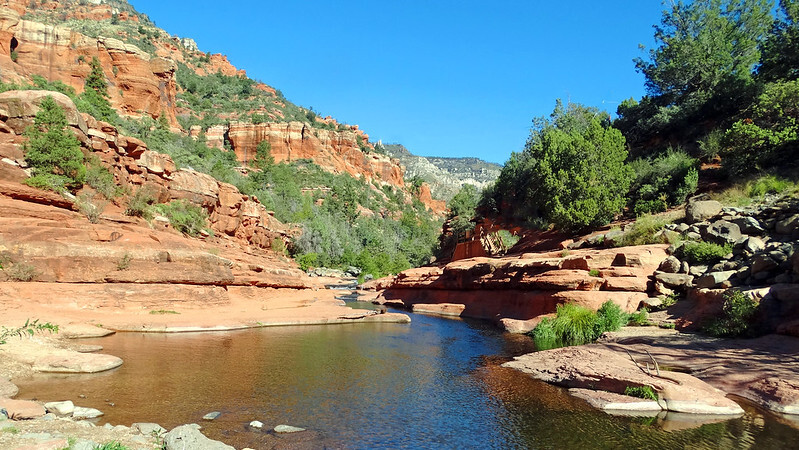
434	383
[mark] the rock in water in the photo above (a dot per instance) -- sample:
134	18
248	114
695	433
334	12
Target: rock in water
212	415
81	413
189	437
256	424
288	429
60	408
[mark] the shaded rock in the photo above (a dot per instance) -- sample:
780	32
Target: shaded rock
65	408
599	368
670	265
788	226
788	293
22	409
287	429
762	263
7	388
713	279
754	244
775	394
189	437
81	413
441	309
675	280
748	225
697	211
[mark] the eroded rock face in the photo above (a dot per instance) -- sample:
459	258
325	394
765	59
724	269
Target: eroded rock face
337	151
533	284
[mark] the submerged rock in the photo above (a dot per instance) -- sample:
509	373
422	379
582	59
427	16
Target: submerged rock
287	429
212	415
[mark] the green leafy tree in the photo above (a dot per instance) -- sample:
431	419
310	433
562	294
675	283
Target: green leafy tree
572	172
263	156
780	52
94	99
52	151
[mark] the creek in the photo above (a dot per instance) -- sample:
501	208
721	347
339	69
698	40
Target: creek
434	383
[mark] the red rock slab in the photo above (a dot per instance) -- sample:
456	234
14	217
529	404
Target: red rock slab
440	309
597	368
630	284
775	394
610	401
517	326
22	409
75	362
562	280
7	388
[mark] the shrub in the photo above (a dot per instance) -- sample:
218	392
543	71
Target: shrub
594	272
184	216
14	55
577	325
645	392
52	150
30	328
101	179
769	184
572	172
639	318
139	204
643	231
702	252
737	315
307	260
664	181
21	271
124	262
91	207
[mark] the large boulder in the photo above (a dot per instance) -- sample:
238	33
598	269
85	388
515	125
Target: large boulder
19	108
7	388
698	211
189	436
722	232
22	409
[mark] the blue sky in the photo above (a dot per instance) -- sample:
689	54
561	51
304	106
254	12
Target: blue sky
444	78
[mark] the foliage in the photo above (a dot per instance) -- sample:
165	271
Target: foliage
577	325
139	204
645	392
21	271
780	51
639	318
184	217
769	137
508	239
702	252
161	312
52	150
101	179
113	445
643	231
94	99
124	262
594	273
90	206
14	55
461	211
699	75
738	313
263	156
571	173
30	328
743	192
663	181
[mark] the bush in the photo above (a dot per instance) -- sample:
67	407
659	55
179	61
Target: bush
702	252
52	150
139	204
643	231
645	392
101	179
639	318
21	271
91	207
184	216
577	325
664	181
769	184
572	172
737	315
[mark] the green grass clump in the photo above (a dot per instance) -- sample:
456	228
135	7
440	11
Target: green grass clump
743	193
593	272
737	316
577	325
639	318
162	312
113	445
703	252
643	231
645	392
184	216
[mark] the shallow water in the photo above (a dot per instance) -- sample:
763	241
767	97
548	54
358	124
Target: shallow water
435	383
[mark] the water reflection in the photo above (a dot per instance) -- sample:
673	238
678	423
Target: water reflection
431	384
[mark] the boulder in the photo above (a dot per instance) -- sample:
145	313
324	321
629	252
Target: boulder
762	263
675	280
20	108
81	413
439	309
754	244
7	388
149	429
775	394
516	326
713	279
189	436
65	408
748	225
788	225
722	232
698	211
670	265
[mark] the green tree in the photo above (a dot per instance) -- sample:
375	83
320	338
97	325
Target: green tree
94	99
572	172
263	156
780	52
52	151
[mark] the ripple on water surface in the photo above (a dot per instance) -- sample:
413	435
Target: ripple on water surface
435	383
